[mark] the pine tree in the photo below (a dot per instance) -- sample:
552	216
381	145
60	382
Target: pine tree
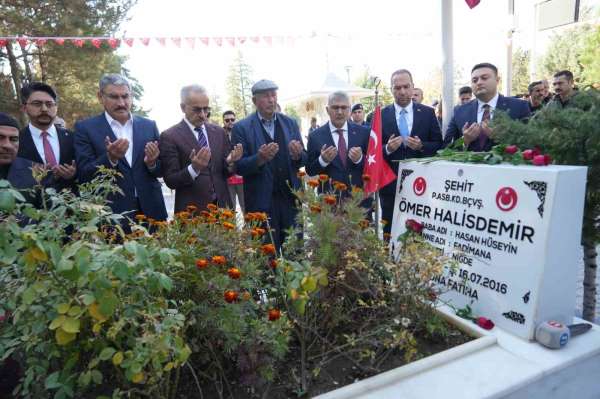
520	73
238	85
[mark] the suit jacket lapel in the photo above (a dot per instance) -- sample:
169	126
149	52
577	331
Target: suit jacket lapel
138	141
63	144
190	137
390	120
416	119
30	150
473	111
501	104
258	134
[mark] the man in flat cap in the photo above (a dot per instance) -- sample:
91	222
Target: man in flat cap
358	115
273	153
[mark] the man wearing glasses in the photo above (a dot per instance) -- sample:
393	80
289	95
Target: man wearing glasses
196	155
44	143
129	143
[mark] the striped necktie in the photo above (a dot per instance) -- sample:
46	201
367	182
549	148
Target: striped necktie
201	137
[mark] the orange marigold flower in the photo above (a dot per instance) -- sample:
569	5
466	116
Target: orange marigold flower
249	217
212	207
356	190
268	249
140	217
234	273
329	199
274	314
257	232
246	296
366	177
192	240
226	213
340	186
211	219
201	263
315	209
230	296
182	215
301	173
205	214
313	183
191	208
228	226
273	263
260	216
151	221
364	223
219	260
323	177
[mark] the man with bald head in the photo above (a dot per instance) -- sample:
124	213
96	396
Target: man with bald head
196	155
272	154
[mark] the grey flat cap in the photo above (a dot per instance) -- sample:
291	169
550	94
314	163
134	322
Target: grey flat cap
263	85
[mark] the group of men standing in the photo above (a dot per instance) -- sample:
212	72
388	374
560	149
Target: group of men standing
206	164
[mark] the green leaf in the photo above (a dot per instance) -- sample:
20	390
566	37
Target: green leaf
165	281
29	295
108	303
52	382
74	311
63	308
64	265
71	325
121	271
85	379
59	321
106	353
88	299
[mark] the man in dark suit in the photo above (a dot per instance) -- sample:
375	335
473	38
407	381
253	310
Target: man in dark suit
272	154
337	148
358	115
44	143
471	120
196	155
129	143
410	130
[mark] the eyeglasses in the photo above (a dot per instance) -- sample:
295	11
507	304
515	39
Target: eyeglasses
339	107
40	104
197	110
116	97
229	120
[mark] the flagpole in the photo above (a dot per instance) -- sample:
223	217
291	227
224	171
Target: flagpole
377	82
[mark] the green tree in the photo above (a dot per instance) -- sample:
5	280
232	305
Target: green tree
590	59
566	52
238	84
293	113
367	81
216	110
520	73
73	71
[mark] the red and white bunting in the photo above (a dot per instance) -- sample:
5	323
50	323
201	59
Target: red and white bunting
145	40
22	41
78	42
3	42
191	41
162	41
204	40
231	41
113	43
59	41
96	43
176	41
40	42
218	41
129	41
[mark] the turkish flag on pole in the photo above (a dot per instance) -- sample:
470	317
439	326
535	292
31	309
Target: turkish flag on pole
377	173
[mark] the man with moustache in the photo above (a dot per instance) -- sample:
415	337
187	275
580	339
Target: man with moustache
536	96
410	130
272	154
196	155
336	148
564	89
471	120
358	115
118	140
44	143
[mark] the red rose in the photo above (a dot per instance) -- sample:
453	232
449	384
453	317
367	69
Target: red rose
413	225
539	160
484	323
536	151
528	155
547	159
511	149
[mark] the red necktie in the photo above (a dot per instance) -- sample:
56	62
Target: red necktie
48	153
484	118
342	151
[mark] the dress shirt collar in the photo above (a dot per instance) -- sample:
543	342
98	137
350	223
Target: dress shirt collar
333	128
408	108
35	132
261	118
192	127
492	103
112	121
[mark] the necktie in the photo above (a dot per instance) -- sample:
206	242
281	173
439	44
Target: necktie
484	118
403	125
201	138
342	150
48	152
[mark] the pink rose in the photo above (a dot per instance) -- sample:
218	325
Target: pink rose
547	159
511	149
484	323
528	155
539	160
